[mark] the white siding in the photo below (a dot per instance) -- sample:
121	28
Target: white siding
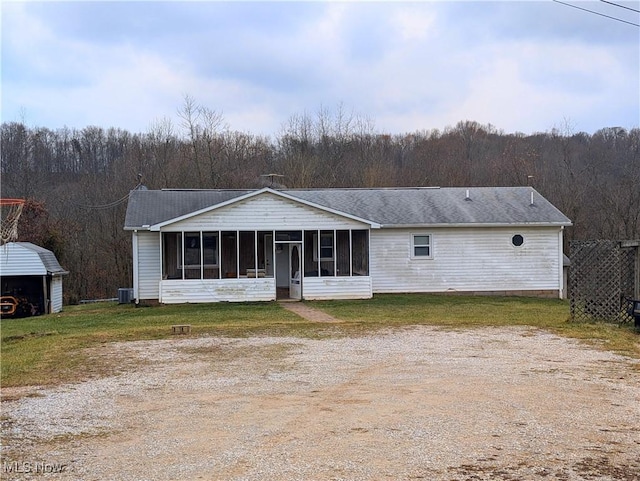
149	273
217	290
56	294
16	260
561	269
265	212
467	260
322	288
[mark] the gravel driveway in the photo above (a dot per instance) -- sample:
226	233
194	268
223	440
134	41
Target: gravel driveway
414	403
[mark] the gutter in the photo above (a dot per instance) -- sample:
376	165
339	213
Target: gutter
470	224
58	273
374	225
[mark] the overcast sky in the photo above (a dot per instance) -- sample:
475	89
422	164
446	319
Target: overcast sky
527	66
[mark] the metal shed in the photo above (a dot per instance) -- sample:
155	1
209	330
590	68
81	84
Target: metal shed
31	280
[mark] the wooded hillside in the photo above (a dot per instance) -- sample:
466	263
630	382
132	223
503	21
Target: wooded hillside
77	181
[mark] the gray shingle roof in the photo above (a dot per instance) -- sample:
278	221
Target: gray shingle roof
392	207
149	207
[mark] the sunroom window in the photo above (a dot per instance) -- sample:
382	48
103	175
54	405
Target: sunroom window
218	254
172	255
192	255
197	259
229	257
210	255
336	253
247	253
360	252
251	254
343	253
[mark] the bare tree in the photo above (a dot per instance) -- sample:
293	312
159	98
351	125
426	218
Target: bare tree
297	159
81	178
162	152
203	127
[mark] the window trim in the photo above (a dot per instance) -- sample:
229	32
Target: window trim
429	245
522	241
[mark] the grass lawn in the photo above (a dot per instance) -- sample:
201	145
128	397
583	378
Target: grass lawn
471	311
49	349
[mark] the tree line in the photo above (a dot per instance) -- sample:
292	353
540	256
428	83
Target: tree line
76	181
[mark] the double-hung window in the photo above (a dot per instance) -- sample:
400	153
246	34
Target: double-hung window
326	246
421	247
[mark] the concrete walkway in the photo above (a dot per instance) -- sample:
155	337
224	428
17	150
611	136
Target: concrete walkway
309	313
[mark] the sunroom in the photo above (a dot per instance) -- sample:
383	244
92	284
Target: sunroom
248	265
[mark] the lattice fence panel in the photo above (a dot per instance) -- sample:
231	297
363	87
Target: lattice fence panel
628	274
600	278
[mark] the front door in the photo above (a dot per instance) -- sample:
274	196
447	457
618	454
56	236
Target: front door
295	276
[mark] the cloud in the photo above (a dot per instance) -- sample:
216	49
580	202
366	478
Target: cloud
65	81
408	66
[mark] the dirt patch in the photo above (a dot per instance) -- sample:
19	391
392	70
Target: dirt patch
420	403
307	312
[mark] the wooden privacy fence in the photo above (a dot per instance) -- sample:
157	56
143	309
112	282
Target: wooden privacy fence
603	275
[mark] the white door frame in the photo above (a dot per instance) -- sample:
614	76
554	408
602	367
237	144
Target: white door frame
295	271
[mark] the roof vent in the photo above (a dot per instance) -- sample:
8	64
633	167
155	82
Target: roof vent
531	198
467	195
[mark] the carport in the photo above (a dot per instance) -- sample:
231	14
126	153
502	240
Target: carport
31	280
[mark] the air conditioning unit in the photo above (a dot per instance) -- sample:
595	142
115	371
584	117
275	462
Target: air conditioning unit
125	295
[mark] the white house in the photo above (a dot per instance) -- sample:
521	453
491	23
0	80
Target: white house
31	280
260	245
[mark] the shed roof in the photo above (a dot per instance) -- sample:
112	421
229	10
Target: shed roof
388	207
27	259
